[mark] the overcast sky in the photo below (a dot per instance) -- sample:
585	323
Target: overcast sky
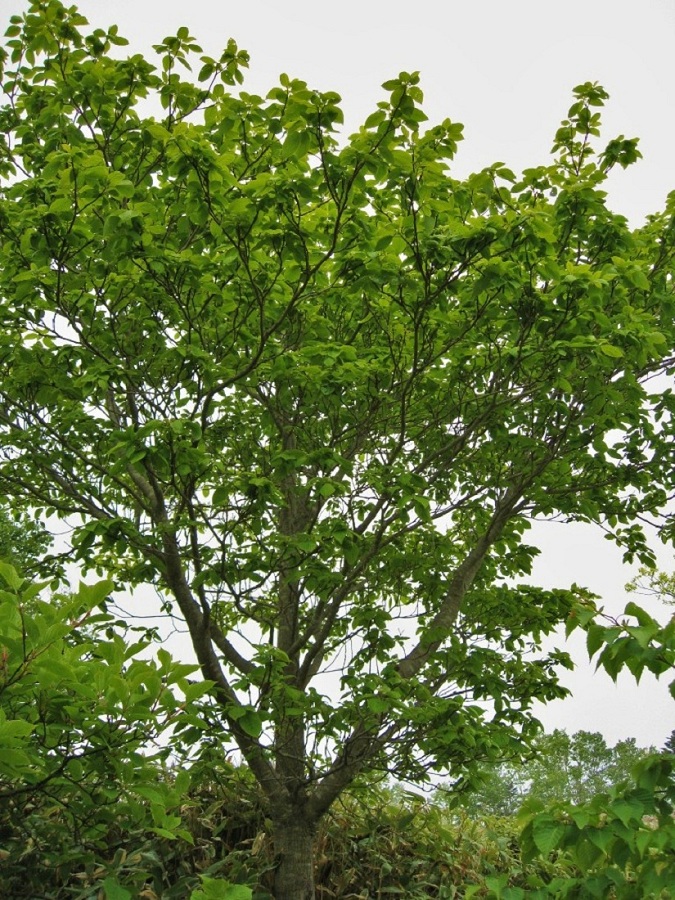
505	70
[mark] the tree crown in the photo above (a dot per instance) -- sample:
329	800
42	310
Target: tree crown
317	389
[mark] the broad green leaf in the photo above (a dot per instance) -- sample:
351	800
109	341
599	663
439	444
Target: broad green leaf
547	833
251	723
218	889
628	811
114	890
10	576
611	350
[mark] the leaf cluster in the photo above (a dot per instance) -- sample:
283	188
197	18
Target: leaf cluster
84	723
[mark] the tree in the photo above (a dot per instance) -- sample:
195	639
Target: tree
669	744
24	543
574	768
315	391
563	768
650	582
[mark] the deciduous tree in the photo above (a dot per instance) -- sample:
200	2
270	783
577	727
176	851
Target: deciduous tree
651	583
316	388
563	768
24	542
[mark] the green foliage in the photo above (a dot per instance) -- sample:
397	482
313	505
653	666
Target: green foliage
559	768
635	641
24	543
80	715
622	843
652	583
87	808
217	889
315	389
378	843
388	844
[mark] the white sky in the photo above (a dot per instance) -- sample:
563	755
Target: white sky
506	70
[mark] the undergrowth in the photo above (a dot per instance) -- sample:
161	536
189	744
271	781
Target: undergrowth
373	844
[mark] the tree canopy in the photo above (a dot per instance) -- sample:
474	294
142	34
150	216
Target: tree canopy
562	768
315	388
24	542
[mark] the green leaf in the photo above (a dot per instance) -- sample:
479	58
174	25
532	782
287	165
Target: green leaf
586	854
251	723
595	638
14	763
11	729
378	704
643	617
611	351
305	542
513	893
496	884
643	634
93	595
296	144
114	890
182	782
547	834
628	811
217	889
61	204
470	890
638	279
602	838
153	794
10	576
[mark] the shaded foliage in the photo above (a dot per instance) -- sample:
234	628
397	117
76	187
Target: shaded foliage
24	542
374	844
81	717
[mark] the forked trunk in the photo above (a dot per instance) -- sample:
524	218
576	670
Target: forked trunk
294	849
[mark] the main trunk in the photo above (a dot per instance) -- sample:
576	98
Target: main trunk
294	849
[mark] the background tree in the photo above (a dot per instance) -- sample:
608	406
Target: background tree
24	543
563	768
669	745
652	583
315	391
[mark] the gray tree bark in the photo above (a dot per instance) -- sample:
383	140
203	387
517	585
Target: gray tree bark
294	849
